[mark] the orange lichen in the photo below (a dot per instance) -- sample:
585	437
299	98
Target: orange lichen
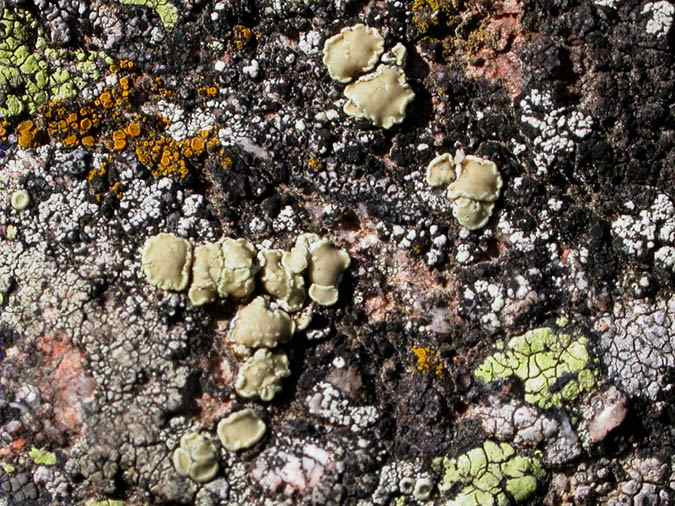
226	162
241	36
88	141
105	100
116	189
133	129
112	122
314	164
197	145
71	141
428	361
119	140
85	125
207	91
4	130
26	133
96	172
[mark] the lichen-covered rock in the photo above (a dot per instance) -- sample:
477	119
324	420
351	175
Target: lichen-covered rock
220	119
637	340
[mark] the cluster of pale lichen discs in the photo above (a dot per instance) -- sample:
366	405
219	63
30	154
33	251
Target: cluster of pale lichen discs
473	186
380	96
197	456
231	268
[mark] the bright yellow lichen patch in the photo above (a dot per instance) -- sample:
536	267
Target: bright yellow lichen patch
428	361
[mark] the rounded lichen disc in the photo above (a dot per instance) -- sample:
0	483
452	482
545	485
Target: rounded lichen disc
166	261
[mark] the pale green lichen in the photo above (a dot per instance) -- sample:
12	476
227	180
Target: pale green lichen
11	232
441	170
258	325
31	73
196	458
286	286
206	270
326	263
474	192
352	52
167	12
261	375
42	457
241	430
240	266
105	502
490	475
20	200
381	96
554	367
167	261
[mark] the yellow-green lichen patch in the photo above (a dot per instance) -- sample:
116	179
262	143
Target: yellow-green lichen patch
166	261
261	375
7	468
241	430
352	52
196	458
490	475
257	324
554	368
167	12
427	13
382	97
32	73
42	457
104	502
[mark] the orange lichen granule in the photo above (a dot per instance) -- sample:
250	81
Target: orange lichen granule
427	361
314	164
26	133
